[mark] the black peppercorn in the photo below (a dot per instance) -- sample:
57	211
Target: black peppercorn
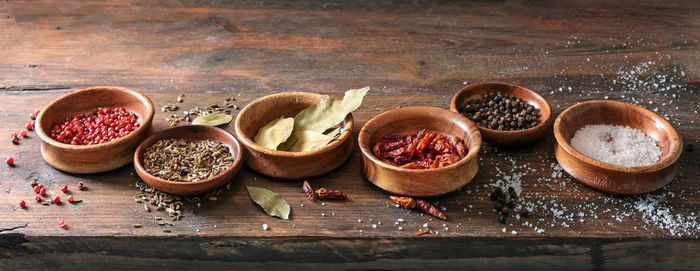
501	112
524	213
511	192
493	195
510	204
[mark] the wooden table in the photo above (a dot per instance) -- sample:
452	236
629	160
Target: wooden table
417	53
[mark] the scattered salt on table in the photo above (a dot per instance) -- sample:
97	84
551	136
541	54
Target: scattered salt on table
617	145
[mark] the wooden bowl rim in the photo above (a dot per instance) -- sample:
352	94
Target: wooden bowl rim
139	95
544	104
248	142
674	152
471	153
159	135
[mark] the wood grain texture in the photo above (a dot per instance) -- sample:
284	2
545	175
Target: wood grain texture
417	53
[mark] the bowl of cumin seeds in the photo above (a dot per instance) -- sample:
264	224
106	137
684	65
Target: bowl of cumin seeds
188	160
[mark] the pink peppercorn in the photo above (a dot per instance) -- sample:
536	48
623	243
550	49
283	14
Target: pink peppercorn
42	191
14	138
99	126
38	198
10	161
22	204
62	223
70	198
56	200
23	133
37	188
29	126
64	188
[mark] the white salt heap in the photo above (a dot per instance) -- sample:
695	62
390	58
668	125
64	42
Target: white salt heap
617	145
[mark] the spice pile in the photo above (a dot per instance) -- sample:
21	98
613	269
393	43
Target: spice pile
420	150
173	205
314	127
220	114
14	137
181	160
617	145
505	203
41	192
502	112
99	126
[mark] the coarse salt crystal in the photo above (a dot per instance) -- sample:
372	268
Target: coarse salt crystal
617	145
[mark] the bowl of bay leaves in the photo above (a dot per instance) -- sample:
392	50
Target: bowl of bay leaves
295	135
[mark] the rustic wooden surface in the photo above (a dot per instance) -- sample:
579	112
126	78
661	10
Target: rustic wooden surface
417	53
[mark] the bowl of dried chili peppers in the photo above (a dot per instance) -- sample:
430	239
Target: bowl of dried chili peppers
419	151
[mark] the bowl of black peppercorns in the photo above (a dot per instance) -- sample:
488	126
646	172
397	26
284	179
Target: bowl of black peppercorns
506	114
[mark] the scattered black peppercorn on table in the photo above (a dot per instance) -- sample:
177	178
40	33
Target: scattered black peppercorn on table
410	54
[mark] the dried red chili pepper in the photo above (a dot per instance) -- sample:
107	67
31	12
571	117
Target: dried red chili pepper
390	146
308	191
429	209
327	193
405	202
421	232
420	150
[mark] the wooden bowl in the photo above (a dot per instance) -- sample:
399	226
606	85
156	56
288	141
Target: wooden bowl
191	133
284	164
100	157
607	177
507	138
419	182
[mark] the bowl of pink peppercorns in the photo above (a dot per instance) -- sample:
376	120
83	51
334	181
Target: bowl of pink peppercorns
95	129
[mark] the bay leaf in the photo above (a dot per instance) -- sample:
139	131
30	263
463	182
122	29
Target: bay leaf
214	119
334	132
285	146
271	202
328	111
309	140
274	133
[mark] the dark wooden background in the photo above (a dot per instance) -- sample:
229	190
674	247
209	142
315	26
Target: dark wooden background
410	53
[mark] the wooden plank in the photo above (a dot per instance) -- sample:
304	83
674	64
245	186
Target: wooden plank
410	54
350	253
109	209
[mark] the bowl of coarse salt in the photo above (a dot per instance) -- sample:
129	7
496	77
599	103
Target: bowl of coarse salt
616	147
